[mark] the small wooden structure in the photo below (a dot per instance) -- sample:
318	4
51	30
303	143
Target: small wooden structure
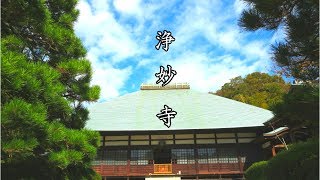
275	140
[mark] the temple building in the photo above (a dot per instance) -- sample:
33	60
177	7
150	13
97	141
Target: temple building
209	137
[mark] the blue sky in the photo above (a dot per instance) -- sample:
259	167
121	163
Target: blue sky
209	47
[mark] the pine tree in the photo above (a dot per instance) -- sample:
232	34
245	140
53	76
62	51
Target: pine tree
300	108
298	55
45	80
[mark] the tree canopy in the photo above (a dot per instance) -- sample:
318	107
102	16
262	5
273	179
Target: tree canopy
258	89
45	80
298	55
300	108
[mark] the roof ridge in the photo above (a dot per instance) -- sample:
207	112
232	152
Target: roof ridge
150	86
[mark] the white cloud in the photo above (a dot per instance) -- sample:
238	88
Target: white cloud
256	50
126	32
239	6
204	73
229	39
279	35
104	36
100	29
100	5
110	79
206	20
128	6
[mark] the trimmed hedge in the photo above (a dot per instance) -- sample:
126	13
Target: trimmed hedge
256	171
300	162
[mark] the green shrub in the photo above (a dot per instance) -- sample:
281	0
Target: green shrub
256	171
300	162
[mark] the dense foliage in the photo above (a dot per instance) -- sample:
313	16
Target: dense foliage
300	108
298	55
256	171
258	89
45	80
299	162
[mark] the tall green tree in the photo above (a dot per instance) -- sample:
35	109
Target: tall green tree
45	79
298	55
300	108
258	89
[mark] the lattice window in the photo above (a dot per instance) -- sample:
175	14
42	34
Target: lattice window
227	155
183	156
207	155
115	157
141	157
99	158
243	159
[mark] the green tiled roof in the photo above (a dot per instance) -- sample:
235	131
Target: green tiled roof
137	112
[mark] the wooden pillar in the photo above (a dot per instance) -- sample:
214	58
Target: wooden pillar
128	166
238	153
103	155
217	151
103	148
273	151
196	153
129	155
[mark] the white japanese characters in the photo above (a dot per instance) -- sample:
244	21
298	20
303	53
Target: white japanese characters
165	38
166	115
165	76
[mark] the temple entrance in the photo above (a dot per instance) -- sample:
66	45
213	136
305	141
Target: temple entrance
162	155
